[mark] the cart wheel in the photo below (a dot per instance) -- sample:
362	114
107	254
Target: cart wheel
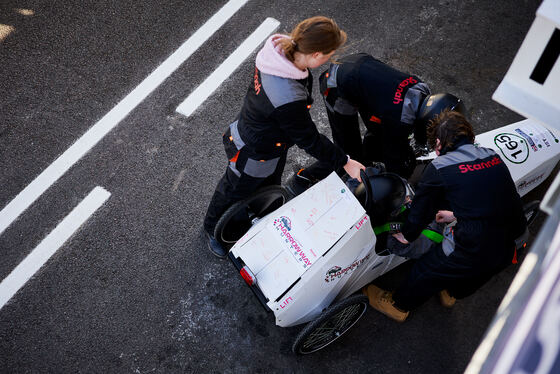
330	325
531	211
239	217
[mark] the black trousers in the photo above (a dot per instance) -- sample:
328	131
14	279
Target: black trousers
384	143
234	187
435	272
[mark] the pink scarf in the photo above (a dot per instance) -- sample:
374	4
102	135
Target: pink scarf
271	60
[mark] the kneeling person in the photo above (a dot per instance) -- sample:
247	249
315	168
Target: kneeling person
473	186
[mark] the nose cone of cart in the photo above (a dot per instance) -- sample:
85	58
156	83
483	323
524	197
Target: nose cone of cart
288	242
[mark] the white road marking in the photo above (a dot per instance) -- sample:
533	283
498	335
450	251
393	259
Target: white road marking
63	231
179	179
202	92
65	161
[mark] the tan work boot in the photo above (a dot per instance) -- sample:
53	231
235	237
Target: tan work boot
446	299
382	301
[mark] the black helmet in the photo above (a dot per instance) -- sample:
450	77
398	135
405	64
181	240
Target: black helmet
381	194
435	104
431	107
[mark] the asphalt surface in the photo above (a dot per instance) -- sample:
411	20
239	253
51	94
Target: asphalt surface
135	289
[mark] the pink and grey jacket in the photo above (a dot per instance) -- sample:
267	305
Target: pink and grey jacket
275	113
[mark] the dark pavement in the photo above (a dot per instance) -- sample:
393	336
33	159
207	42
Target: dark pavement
135	289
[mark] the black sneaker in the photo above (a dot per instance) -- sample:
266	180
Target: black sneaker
215	246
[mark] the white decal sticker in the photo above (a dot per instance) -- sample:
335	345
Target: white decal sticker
513	147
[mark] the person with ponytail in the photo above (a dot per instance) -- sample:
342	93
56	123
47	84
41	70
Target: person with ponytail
275	116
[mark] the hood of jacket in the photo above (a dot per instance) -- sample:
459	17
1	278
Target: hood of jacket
271	60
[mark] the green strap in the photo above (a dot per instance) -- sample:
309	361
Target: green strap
434	236
381	229
384	228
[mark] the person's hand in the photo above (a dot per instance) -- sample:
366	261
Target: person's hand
352	168
445	216
400	237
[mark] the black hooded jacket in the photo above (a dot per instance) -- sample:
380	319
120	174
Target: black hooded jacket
475	184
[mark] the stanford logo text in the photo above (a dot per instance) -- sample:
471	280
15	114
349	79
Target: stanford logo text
398	94
465	168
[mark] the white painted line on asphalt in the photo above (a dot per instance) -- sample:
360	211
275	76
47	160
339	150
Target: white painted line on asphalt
65	161
63	231
202	92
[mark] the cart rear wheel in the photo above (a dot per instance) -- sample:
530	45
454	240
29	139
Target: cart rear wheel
239	218
331	324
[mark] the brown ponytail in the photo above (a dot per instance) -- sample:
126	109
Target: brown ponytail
315	34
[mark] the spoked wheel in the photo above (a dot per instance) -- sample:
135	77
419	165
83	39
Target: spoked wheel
531	211
330	325
239	218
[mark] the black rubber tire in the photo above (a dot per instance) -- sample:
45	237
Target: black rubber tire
531	211
237	219
331	324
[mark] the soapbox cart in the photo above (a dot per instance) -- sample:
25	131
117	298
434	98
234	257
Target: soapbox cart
306	258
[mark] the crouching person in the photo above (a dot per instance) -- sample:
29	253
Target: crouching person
469	189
